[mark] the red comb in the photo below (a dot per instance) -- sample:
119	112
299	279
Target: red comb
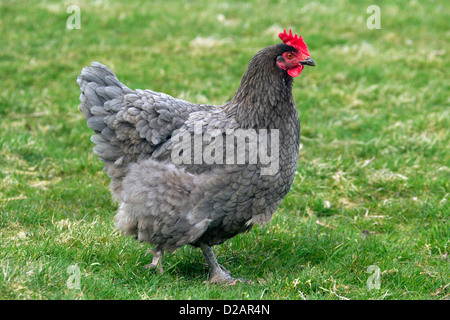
294	41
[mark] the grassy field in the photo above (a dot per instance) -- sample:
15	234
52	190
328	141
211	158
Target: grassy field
372	185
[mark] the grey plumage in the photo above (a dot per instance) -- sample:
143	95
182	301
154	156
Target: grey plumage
170	205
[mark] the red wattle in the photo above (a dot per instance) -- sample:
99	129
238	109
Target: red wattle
295	72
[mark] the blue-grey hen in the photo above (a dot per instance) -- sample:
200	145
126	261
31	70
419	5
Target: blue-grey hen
142	136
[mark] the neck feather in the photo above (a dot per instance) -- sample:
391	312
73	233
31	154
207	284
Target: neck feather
264	97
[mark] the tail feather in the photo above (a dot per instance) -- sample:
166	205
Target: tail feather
129	125
98	85
101	99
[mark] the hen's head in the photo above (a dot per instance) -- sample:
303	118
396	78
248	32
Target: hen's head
294	54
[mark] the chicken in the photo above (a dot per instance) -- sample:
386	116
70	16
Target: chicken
185	173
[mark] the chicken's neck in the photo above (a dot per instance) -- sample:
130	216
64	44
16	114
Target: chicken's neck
264	99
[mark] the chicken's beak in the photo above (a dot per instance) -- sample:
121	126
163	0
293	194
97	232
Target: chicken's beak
308	62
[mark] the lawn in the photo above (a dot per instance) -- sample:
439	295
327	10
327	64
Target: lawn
367	216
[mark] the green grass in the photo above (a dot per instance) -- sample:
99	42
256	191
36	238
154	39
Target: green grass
375	159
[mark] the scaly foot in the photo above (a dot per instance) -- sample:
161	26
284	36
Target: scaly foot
156	261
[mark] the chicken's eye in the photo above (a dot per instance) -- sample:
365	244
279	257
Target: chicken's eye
289	55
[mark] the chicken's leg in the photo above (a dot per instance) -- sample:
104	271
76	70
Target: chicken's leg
217	273
156	261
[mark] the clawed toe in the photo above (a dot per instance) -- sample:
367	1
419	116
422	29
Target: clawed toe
218	274
156	266
221	280
156	261
223	276
226	280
